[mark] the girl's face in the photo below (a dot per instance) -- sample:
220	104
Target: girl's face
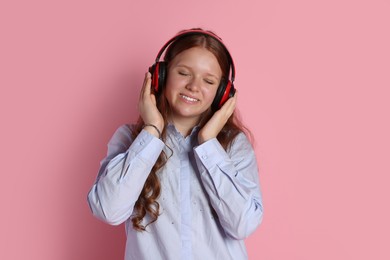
193	80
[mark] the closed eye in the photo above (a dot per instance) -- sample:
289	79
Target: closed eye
183	73
210	82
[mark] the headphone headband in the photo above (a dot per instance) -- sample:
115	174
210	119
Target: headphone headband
201	32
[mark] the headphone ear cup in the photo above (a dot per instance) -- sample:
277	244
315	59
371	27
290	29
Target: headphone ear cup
218	95
225	91
158	71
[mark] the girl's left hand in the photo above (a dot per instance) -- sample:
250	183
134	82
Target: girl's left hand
212	128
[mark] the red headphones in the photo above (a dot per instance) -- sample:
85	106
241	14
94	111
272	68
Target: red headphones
159	70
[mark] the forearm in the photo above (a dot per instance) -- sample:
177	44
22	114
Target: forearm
115	192
233	187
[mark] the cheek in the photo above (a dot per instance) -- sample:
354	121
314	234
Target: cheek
209	94
168	93
170	87
174	83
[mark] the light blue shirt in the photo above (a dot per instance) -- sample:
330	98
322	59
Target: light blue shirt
210	198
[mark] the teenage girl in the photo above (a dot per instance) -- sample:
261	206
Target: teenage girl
184	178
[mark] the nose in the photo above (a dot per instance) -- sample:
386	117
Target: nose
193	84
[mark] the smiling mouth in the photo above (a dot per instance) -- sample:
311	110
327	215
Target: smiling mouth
189	98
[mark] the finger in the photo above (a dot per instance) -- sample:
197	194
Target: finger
230	105
146	85
148	90
141	93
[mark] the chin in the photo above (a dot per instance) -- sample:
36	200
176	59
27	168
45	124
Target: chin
188	114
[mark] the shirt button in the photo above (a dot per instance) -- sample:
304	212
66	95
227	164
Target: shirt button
204	156
141	143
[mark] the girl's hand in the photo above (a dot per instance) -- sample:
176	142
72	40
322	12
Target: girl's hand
212	128
147	107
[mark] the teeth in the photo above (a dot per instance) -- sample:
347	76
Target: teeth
189	99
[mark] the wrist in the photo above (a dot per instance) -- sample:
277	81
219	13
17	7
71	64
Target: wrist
202	139
152	129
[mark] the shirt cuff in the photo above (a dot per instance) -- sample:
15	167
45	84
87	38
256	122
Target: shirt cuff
211	153
147	147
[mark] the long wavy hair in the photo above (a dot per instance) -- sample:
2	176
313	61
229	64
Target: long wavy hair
147	201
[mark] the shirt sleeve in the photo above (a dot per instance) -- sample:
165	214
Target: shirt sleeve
232	183
122	174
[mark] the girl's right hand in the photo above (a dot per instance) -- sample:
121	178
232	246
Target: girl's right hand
147	106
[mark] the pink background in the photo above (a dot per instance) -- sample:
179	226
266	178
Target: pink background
314	86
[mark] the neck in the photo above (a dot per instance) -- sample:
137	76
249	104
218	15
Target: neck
184	125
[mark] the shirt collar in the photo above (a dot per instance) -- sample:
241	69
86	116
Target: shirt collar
172	129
